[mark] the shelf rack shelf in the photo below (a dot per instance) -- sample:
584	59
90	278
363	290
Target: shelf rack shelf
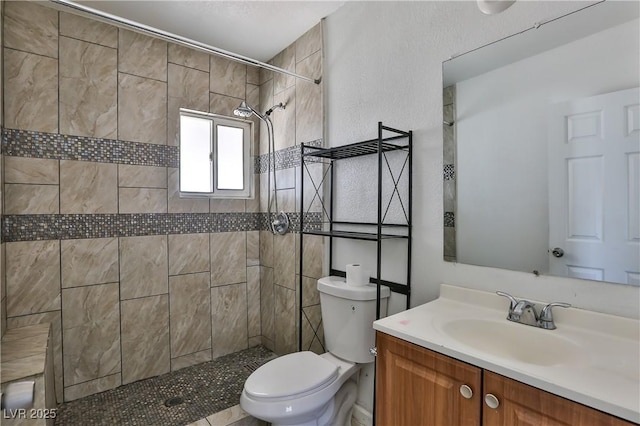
388	140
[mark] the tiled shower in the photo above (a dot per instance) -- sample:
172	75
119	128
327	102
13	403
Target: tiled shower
135	280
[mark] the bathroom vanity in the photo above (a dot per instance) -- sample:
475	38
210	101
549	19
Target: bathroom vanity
458	361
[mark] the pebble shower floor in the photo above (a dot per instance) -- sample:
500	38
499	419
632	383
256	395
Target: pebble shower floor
178	398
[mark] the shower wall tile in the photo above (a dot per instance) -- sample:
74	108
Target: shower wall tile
91	387
284	121
145	337
184	56
253	75
188	253
284	257
310	294
142	55
33	277
142	109
130	176
183	205
30	91
220	205
310	42
227	77
185	361
311	333
266	190
187	88
265	74
229	307
91	332
87	187
266	102
159	282
54	318
143	266
253	300
309	120
313	250
285	320
31	199
86	29
223	104
190	313
30	170
142	200
285	60
89	261
228	258
88	89
286	178
252	205
286	200
253	248
267	306
314	178
31	28
266	248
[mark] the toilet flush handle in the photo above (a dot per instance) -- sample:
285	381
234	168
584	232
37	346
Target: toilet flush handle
373	351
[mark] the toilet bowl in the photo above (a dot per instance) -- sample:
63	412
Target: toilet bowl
305	389
302	388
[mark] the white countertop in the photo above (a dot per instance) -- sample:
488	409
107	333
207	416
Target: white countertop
605	374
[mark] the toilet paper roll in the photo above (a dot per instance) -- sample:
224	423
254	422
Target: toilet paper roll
356	275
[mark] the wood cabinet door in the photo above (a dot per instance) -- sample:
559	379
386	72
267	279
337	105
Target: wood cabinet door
416	386
522	404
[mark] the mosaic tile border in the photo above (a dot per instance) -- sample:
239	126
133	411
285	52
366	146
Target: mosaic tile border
449	172
56	146
449	220
286	158
77	226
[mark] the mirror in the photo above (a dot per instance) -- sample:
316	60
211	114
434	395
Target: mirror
542	148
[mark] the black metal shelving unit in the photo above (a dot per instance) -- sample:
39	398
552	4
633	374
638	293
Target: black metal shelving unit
388	140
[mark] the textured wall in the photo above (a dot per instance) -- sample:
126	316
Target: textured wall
383	62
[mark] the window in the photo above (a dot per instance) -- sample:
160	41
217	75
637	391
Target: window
215	156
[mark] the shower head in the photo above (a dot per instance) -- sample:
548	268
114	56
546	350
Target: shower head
243	110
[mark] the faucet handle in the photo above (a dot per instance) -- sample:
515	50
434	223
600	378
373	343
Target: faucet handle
546	315
513	300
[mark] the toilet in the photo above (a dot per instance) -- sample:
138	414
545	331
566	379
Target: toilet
304	388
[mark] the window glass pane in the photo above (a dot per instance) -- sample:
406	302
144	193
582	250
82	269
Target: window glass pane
195	148
230	159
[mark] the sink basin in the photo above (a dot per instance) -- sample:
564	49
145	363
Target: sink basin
514	341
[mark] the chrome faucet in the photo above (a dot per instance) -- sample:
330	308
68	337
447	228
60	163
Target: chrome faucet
524	312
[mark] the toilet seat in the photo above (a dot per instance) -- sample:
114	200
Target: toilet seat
291	376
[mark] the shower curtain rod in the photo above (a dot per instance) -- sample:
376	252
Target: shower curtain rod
174	38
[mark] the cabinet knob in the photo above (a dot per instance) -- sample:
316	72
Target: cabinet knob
466	391
491	400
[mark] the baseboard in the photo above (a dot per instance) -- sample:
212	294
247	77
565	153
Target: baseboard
361	417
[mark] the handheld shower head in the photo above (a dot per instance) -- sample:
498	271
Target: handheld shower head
243	110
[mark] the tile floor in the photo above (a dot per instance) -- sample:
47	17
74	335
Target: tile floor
201	395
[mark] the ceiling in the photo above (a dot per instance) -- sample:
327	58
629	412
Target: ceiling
256	29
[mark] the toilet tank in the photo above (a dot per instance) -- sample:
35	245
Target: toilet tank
348	313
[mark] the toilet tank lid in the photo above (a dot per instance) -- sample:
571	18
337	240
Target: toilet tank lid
290	376
336	286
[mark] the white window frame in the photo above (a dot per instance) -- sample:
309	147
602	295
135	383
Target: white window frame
247	126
